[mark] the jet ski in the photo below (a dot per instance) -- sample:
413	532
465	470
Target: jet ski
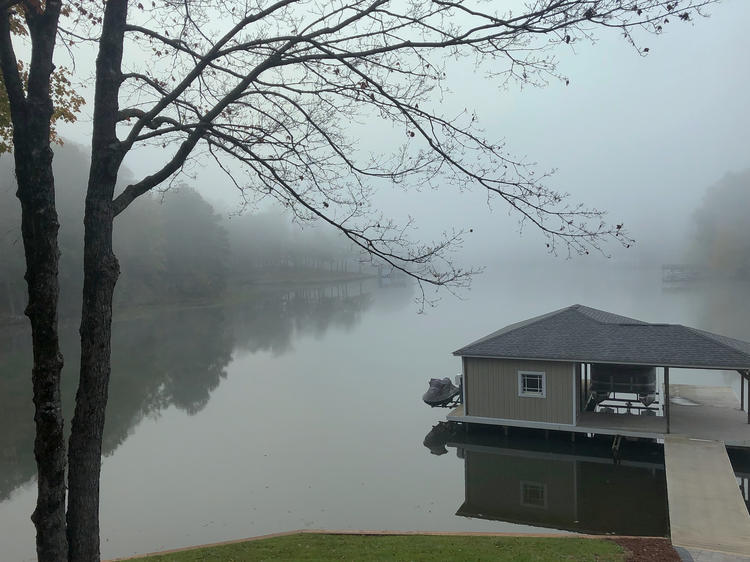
438	436
442	392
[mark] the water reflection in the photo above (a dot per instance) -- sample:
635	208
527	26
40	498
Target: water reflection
558	484
303	427
270	321
740	459
16	412
166	358
555	483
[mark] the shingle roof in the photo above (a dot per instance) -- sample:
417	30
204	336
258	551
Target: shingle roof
580	333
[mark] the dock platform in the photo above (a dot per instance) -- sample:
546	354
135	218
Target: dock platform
706	510
701	412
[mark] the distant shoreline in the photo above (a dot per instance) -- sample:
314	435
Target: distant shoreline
278	278
238	290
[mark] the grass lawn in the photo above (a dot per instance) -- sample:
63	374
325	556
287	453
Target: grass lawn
412	547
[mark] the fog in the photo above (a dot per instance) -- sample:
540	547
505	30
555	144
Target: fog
173	246
717	238
254	367
642	137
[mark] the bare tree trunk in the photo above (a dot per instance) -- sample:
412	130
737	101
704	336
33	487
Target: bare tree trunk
100	276
39	228
101	272
31	111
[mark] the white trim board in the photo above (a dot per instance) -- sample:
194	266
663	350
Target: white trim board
522	394
555	426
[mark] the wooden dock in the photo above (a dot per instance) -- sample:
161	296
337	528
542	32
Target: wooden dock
706	510
714	413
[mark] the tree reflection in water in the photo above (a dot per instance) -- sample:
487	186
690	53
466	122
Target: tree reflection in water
165	358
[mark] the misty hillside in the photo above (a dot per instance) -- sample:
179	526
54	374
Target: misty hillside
172	246
719	239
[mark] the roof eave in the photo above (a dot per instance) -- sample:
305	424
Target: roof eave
609	362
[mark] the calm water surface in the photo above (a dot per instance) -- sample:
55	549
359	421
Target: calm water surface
301	409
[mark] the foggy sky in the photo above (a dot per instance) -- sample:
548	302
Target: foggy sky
642	137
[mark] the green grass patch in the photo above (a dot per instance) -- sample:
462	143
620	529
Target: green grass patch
411	547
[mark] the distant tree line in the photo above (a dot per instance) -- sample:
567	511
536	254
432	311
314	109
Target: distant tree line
720	240
267	244
172	246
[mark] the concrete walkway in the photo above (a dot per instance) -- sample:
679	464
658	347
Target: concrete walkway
697	555
706	510
716	415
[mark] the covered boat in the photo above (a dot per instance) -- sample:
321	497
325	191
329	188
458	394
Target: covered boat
442	392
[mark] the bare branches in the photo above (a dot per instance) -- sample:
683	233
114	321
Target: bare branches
125	114
276	93
380	239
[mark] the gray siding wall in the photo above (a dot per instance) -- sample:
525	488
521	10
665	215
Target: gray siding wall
494	483
492	390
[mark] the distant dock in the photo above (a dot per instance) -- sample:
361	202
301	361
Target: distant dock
680	275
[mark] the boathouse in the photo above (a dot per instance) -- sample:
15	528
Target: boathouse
585	370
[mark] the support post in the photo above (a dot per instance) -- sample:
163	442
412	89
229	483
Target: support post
582	393
666	395
742	391
586	368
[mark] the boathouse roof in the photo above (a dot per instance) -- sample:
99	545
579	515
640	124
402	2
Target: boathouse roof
579	333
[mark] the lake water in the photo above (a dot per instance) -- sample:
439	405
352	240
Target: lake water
302	409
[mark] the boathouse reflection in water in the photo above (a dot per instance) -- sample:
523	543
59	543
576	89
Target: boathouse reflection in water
554	483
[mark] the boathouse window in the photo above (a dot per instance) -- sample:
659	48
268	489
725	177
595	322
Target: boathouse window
532	383
533	494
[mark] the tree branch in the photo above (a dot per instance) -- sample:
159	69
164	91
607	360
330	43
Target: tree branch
9	67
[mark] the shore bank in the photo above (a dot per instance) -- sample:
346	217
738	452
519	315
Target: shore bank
393	545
